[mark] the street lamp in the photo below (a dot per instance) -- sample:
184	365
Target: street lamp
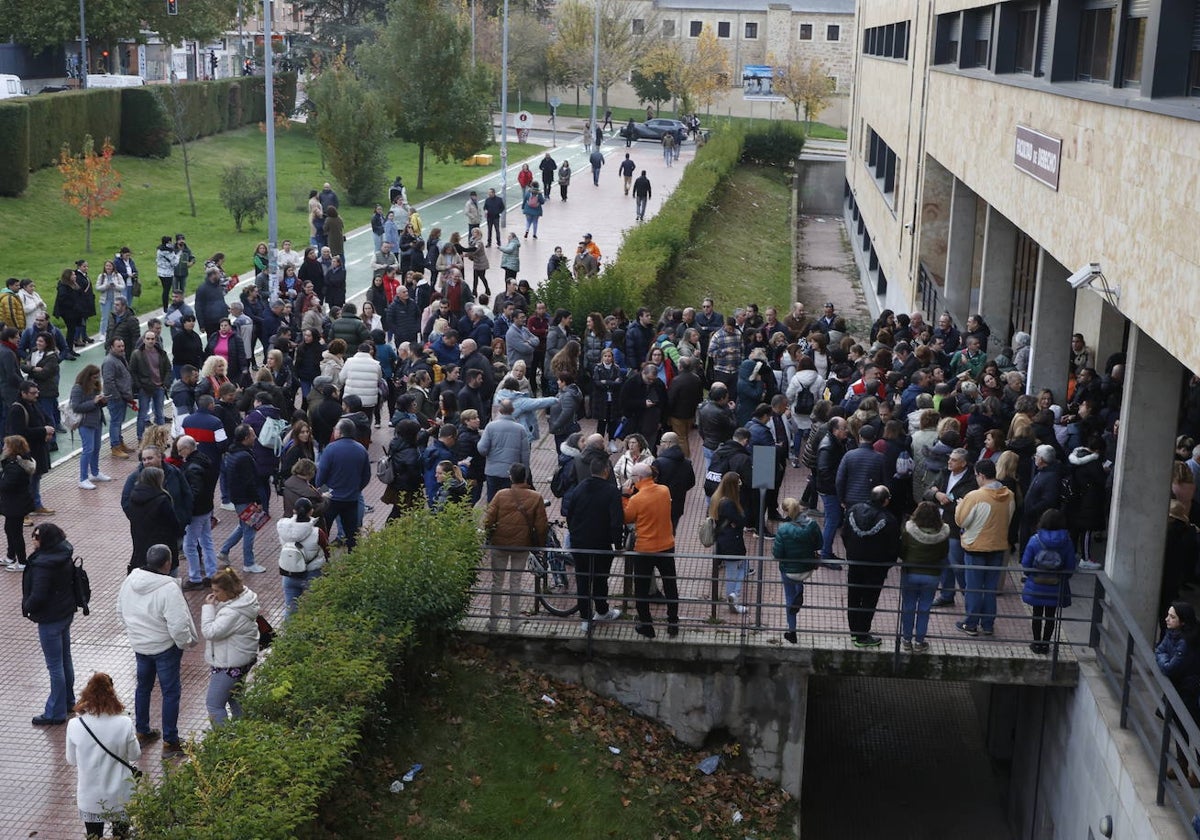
504	118
595	67
82	47
272	210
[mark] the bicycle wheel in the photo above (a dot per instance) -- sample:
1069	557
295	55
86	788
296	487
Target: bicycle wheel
557	587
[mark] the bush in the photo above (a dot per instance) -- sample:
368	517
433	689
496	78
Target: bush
374	614
244	194
69	117
591	294
777	145
145	128
14	139
351	126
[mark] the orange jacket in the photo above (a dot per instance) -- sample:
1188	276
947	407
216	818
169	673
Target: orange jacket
649	510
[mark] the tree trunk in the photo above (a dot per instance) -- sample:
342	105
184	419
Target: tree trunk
420	166
187	174
87	236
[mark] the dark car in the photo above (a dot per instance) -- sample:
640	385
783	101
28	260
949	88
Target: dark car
653	129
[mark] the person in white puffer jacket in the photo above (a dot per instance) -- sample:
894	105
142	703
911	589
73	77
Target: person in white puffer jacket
303	532
229	623
361	375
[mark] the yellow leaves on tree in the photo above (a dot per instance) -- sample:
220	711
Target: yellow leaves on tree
806	85
695	76
90	183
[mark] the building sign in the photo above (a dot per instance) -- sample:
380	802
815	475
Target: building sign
1038	155
758	82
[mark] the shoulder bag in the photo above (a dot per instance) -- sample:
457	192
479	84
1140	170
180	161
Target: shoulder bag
136	771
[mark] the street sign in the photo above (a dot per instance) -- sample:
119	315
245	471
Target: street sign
762	473
524	119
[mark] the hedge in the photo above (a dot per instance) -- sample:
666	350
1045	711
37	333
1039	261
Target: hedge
127	117
377	615
14	139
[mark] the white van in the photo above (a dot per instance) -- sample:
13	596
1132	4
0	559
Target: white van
10	86
112	80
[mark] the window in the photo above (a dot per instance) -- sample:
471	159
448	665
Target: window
637	26
668	29
1131	59
723	29
882	162
890	41
946	47
1095	45
980	45
694	28
806	32
751	31
833	32
1027	38
1193	79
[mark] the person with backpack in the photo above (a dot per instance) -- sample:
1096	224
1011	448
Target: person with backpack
804	391
725	509
48	600
1049	560
531	206
269	429
303	551
797	547
404	491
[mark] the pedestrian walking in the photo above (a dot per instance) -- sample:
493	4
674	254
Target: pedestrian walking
102	743
597	161
587	136
641	195
564	178
668	147
626	170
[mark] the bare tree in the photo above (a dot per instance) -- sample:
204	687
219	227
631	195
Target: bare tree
185	130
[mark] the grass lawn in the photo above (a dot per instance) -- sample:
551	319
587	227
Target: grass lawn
742	249
622	115
500	763
45	236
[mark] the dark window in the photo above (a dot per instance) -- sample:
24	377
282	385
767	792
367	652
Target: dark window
751	31
833	32
1193	87
882	162
1131	58
890	41
901	50
806	32
1027	39
946	47
668	29
980	45
637	26
723	29
1095	45
694	28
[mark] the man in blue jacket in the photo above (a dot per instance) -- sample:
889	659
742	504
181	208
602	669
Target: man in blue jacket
345	468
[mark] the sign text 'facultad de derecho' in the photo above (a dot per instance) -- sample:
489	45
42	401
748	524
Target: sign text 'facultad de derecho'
1038	155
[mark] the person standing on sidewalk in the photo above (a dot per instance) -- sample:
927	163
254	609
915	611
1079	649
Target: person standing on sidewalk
48	600
984	516
641	194
158	625
26	420
871	535
100	732
630	132
241	477
597	160
647	507
493	209
201	474
87	400
515	521
118	390
587	136
594	519
548	166
473	211
564	178
16	469
668	147
345	468
626	170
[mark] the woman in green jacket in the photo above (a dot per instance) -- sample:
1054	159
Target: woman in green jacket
924	546
797	542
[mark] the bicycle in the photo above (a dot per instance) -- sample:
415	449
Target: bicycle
552	576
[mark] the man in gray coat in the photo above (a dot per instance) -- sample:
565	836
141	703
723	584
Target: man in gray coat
520	342
504	442
118	387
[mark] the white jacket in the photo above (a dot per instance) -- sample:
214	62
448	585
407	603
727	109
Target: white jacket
361	375
811	381
230	631
105	784
153	612
305	533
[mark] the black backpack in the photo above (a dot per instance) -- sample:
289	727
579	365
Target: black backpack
81	586
804	402
564	477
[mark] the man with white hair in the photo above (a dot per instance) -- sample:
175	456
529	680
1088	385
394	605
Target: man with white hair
647	507
1043	492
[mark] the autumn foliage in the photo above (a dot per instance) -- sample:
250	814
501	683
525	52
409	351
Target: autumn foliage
90	183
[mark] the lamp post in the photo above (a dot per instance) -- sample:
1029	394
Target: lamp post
83	68
504	119
272	210
595	68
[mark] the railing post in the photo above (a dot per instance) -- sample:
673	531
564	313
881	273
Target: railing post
1097	611
716	571
758	610
1126	679
1163	752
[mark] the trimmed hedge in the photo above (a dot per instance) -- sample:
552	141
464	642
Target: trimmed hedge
69	117
14	139
376	615
145	128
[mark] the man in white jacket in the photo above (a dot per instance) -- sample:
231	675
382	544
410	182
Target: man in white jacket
159	626
361	375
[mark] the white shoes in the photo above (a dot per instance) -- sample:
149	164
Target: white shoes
611	615
255	569
585	626
87	485
734	606
228	506
101	477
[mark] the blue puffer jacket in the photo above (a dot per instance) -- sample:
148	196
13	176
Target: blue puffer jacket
1043	589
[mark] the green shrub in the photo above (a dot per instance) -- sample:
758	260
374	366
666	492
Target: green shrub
777	145
14	139
235	105
591	294
372	615
58	119
145	128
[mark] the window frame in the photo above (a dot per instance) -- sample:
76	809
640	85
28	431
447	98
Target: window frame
669	23
728	29
835	28
749	34
801	32
1089	32
695	27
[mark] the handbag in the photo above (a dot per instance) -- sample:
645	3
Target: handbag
810	496
266	633
254	516
137	772
137	287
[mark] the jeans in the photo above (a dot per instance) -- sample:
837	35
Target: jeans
146	401
293	588
495	484
531	222
640	205
116	415
348	511
833	520
864	580
644	566
668	157
105	313
983	578
952	576
55	637
708	456
378	237
35	489
198	548
596	175
793	595
164	666
224	692
591	583
735	573
916	594
244	533
89	461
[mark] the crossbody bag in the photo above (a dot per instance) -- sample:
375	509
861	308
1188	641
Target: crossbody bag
136	771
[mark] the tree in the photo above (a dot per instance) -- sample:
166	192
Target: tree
90	183
351	126
184	128
651	88
38	24
620	46
436	98
708	71
244	194
805	86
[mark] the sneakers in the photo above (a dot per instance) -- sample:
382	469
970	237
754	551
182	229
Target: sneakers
223	558
1040	647
585	626
145	738
867	641
734	606
906	645
87	485
101	477
13	566
1090	566
192	585
984	631
227	506
254	570
920	647
672	630
611	615
966	628
942	602
790	636
645	630
42	720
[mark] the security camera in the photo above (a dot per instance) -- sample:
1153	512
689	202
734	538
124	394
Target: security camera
1084	276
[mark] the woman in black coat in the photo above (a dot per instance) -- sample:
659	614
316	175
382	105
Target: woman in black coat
17	468
306	364
69	305
311	271
48	599
151	517
1087	511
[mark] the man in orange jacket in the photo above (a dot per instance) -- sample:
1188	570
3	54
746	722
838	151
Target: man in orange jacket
647	507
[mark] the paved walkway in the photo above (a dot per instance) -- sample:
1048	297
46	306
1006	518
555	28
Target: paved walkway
39	787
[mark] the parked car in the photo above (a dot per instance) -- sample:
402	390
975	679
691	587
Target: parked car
113	80
10	86
653	129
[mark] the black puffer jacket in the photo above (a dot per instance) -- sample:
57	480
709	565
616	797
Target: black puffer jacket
47	593
871	533
1088	511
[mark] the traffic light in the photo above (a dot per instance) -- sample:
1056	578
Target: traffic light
172	7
